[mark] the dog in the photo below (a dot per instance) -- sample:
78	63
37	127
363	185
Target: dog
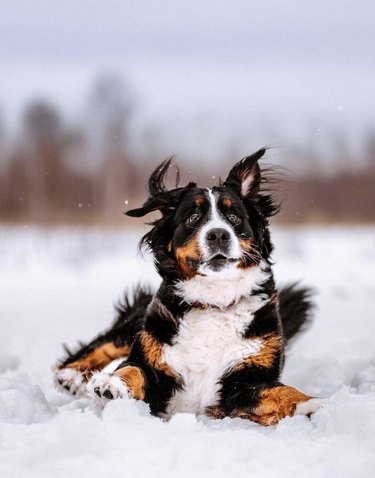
212	339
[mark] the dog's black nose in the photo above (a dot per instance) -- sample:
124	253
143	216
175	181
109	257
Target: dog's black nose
218	238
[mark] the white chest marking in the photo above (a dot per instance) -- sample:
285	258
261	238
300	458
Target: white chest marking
209	343
223	288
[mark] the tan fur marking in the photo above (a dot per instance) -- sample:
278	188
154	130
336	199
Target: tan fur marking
99	358
277	403
199	200
227	202
271	345
189	250
153	351
246	246
134	381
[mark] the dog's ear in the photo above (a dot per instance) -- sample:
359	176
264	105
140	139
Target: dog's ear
164	203
159	198
245	175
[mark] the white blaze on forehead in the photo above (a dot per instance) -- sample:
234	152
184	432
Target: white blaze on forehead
215	221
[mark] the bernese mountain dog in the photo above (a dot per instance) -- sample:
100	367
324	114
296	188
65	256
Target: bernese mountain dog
211	340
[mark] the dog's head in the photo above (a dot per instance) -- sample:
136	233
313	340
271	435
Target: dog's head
209	231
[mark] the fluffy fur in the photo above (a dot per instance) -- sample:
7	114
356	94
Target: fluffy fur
211	339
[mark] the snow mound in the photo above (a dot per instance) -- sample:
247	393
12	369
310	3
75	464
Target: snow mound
22	403
58	286
8	362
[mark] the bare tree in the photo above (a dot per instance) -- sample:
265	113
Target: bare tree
43	159
112	104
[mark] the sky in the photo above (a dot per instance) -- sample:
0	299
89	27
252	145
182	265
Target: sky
208	76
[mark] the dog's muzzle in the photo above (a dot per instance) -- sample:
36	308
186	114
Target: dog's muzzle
218	242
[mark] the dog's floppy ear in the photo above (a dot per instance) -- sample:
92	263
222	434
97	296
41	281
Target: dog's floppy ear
159	198
245	175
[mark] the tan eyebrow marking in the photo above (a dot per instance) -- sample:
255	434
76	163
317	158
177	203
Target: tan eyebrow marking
227	202
199	200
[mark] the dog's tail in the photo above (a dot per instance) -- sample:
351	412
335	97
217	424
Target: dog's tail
295	309
129	319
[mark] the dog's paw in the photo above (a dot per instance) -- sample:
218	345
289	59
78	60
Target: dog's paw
70	381
106	386
310	406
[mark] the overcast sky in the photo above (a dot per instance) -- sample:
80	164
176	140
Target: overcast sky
207	75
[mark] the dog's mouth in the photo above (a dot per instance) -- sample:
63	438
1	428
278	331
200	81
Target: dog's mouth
219	261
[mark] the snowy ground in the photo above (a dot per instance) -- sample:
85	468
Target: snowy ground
59	286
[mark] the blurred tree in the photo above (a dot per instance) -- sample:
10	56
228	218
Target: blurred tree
43	161
50	172
3	168
370	151
51	187
111	106
345	163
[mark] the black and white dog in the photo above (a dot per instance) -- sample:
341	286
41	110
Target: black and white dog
211	340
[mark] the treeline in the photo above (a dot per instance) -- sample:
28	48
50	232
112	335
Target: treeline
55	173
342	198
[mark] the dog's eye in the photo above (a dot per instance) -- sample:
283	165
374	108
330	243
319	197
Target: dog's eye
233	218
193	219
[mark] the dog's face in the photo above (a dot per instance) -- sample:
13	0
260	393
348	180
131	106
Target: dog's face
209	232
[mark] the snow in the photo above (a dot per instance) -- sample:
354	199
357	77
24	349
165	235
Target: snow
59	286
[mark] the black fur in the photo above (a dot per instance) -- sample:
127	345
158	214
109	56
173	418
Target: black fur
294	305
295	310
129	318
156	318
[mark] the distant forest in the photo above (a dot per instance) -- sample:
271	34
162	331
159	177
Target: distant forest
56	173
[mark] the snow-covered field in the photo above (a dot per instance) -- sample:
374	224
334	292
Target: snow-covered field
59	286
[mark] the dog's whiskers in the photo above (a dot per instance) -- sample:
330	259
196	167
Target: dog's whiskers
253	255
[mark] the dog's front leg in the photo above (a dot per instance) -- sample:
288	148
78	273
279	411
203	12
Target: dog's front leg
127	380
276	403
252	390
74	372
267	405
145	375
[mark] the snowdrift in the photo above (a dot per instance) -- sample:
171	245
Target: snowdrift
59	286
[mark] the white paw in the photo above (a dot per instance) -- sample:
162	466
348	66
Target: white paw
106	386
311	406
70	381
